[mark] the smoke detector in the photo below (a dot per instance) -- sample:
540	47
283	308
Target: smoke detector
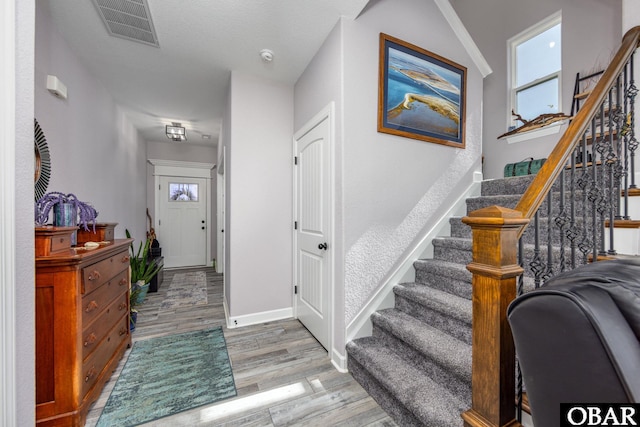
266	55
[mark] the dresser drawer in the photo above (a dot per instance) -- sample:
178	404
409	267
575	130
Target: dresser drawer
96	274
95	363
93	334
96	302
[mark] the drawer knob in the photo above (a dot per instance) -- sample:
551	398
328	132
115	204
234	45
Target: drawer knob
123	331
90	374
123	281
95	275
122	306
90	340
91	306
125	259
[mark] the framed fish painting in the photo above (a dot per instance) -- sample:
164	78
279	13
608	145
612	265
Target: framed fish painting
421	95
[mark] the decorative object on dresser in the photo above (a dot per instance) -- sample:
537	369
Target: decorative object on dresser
100	232
67	211
82	322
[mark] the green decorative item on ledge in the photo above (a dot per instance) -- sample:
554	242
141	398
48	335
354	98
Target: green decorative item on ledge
526	167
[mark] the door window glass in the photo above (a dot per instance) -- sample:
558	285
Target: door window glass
181	192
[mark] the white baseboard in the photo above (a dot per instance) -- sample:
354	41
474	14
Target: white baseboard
256	318
339	361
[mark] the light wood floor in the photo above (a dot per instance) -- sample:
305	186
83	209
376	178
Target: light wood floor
283	375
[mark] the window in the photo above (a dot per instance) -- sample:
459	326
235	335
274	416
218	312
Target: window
535	68
180	192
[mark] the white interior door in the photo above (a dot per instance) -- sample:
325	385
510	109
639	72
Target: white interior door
183	221
312	233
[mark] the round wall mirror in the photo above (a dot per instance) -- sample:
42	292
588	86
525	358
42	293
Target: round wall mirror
42	166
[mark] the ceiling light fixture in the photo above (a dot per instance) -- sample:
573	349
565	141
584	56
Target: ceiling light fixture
176	132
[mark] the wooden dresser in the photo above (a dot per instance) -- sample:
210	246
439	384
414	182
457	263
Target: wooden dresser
82	323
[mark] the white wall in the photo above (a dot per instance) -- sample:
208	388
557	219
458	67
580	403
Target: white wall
590	35
224	149
183	151
22	257
389	189
630	14
259	174
96	153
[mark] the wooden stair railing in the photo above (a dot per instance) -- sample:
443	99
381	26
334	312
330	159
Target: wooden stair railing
495	267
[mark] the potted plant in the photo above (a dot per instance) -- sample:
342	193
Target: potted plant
134	293
142	269
67	211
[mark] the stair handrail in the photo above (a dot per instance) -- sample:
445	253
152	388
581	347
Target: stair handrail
556	161
495	232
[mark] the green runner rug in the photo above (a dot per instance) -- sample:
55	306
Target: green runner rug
170	374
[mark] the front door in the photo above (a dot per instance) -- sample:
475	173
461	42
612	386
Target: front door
182	227
312	233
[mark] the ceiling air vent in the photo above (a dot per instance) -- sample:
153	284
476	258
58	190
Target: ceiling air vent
128	19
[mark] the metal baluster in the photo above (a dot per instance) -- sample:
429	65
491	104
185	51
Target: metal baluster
619	169
601	203
572	235
549	270
626	142
536	264
611	161
633	143
583	182
606	205
519	291
594	194
562	220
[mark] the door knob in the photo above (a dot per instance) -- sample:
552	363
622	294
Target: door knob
323	246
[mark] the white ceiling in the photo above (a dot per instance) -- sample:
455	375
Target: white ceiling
201	42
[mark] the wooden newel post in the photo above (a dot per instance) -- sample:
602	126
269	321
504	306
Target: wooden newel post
495	269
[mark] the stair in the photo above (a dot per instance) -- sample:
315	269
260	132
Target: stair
417	363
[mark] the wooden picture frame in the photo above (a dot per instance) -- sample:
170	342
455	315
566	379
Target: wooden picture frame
421	95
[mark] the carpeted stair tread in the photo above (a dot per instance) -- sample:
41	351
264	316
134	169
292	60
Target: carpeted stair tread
452	249
454	270
452	277
507	201
443	349
453	242
509	185
458	228
437	300
431	403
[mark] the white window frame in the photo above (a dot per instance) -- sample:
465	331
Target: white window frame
512	44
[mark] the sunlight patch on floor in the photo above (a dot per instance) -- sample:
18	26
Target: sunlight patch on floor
254	401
